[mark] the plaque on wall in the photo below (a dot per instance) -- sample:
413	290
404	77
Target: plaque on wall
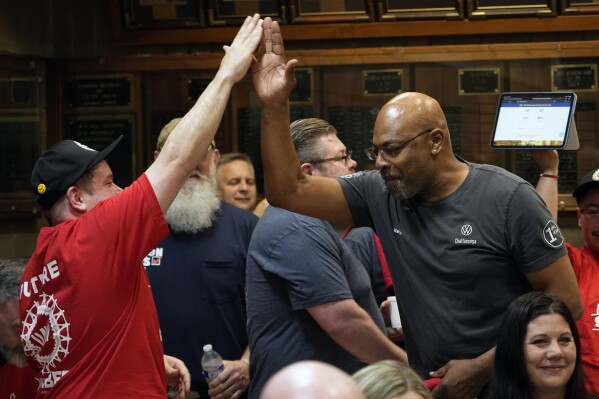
578	77
99	91
355	126
234	12
320	11
98	132
149	14
579	7
511	8
19	93
19	149
304	86
384	81
389	10
479	81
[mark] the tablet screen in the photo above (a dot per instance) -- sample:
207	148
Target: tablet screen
533	120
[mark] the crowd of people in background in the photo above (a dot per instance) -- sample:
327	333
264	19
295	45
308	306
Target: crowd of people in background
126	286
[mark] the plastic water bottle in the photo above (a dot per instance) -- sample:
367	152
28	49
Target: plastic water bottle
212	364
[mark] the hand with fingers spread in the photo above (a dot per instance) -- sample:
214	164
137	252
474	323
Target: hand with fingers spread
239	55
232	382
273	76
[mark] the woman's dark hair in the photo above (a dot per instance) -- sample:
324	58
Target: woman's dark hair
510	379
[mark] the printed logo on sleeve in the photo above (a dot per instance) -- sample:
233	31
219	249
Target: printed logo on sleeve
552	235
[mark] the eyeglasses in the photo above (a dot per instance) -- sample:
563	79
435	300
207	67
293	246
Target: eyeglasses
212	146
591	213
345	158
389	153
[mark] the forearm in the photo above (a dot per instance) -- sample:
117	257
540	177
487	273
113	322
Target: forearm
365	341
548	190
548	161
353	329
281	166
486	363
189	141
245	357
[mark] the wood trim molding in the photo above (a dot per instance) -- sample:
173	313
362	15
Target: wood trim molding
367	30
324	57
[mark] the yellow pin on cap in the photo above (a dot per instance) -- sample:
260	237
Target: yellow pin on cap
41	188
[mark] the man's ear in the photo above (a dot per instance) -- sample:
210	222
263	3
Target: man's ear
307	168
216	156
74	198
156	152
438	140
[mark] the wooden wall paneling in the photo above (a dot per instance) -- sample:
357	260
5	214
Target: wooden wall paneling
245	125
391	10
569	7
22	132
469	117
234	12
350	110
587	124
511	8
96	107
139	14
165	98
323	11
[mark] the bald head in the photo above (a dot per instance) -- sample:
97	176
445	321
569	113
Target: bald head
415	108
311	380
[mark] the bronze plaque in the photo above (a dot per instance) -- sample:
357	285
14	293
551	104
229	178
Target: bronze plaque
98	132
154	14
385	81
581	77
97	91
479	81
302	92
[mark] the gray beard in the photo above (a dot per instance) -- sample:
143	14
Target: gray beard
14	356
196	206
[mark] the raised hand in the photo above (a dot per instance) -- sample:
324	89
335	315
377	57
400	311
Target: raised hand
239	55
273	77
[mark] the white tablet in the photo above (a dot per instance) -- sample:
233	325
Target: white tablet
535	120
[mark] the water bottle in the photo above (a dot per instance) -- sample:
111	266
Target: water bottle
212	364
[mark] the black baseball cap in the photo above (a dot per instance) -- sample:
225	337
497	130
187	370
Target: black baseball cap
588	181
61	166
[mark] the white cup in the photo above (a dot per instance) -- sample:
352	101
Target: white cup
395	320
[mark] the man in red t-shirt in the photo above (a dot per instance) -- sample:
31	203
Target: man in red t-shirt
585	260
16	376
89	324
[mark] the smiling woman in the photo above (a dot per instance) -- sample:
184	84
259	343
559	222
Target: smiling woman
538	351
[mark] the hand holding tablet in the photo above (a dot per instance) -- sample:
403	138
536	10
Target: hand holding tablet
543	120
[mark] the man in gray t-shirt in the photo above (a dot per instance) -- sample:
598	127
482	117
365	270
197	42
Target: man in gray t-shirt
461	240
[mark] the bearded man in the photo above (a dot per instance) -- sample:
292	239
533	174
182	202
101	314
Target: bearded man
198	278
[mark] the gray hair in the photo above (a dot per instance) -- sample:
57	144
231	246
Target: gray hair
11	271
305	133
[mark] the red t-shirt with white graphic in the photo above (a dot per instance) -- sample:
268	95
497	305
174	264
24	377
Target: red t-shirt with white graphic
586	268
89	324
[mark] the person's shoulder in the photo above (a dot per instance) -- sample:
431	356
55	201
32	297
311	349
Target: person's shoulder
237	212
363	174
359	233
487	171
282	217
